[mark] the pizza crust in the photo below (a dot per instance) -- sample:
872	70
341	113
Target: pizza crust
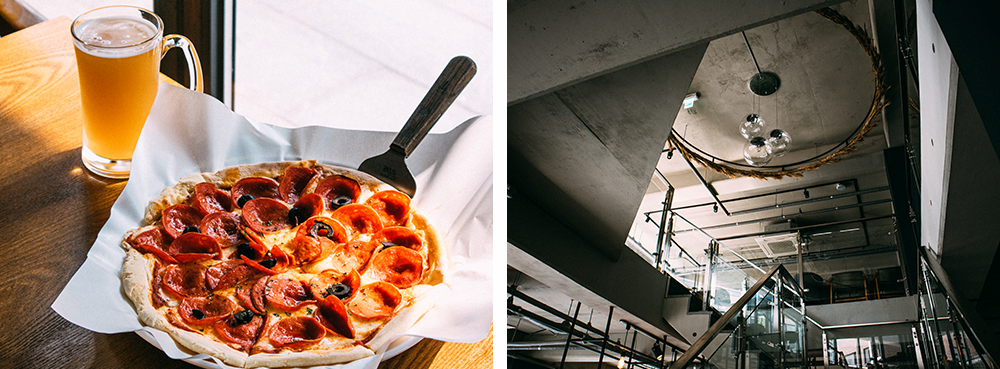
424	299
137	272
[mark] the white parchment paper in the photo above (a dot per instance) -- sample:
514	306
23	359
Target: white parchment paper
190	132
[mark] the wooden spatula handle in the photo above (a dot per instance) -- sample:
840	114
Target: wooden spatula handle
449	84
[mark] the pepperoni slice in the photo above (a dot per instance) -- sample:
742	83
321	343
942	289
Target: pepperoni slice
208	199
258	187
266	215
398	265
336	186
274	262
310	205
205	310
185	280
228	273
194	247
354	255
358	218
293	182
178	217
332	315
173	318
330	282
153	241
296	331
376	300
400	236
308	249
287	294
254	298
323	227
224	227
243	334
156	285
392	206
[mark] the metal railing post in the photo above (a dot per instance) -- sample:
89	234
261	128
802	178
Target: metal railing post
607	334
713	249
666	227
936	340
569	337
779	299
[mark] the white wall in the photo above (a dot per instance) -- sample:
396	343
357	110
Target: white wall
938	75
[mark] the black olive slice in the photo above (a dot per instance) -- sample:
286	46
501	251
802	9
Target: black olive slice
245	250
386	245
341	290
320	229
297	215
269	263
191	229
243	199
340	201
242	317
197	314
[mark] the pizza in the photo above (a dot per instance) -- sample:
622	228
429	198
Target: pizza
282	264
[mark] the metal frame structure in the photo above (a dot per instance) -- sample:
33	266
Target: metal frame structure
589	337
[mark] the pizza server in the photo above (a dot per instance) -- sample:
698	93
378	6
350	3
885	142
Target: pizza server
390	166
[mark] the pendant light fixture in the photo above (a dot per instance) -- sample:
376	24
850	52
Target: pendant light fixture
762	145
777	142
756	152
753	126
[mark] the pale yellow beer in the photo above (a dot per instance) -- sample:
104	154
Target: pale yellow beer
117	85
118	50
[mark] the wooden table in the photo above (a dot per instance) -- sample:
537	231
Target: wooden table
51	210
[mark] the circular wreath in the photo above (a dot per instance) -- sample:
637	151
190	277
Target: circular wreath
733	169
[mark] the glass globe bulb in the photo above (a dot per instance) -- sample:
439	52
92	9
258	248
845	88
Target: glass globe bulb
778	142
756	152
752	127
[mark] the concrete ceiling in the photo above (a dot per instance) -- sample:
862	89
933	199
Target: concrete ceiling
826	88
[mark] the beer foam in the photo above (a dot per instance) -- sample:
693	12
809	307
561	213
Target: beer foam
115	36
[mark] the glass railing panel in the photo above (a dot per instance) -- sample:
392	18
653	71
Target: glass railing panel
969	355
727	355
762	323
729	282
793	338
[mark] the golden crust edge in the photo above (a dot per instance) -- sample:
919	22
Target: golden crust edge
299	359
423	300
136	275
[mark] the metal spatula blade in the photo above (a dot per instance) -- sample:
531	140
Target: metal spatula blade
390	166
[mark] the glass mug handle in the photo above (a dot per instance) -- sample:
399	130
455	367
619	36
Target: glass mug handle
194	66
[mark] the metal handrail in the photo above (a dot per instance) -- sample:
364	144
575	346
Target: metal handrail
989	343
737	307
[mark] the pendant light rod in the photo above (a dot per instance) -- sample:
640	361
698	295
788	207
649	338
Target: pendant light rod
751	51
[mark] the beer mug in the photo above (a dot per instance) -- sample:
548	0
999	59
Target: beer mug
118	51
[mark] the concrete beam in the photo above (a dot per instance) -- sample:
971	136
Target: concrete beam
865	312
938	75
557	43
585	154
